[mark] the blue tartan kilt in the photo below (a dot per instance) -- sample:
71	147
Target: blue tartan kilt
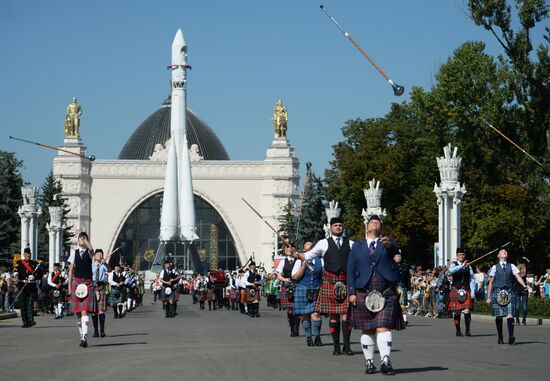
389	317
498	310
115	297
301	305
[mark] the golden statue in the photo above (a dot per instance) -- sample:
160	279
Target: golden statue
280	117
72	119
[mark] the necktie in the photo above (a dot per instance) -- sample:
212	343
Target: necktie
338	242
504	267
372	247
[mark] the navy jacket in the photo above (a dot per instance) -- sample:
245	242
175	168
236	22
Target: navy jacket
360	264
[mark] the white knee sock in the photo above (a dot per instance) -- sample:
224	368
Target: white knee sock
79	322
55	309
383	340
404	317
60	308
368	343
84	323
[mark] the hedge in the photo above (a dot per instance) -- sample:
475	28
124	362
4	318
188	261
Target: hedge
537	308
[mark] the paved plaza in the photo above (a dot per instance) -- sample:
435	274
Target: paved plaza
224	345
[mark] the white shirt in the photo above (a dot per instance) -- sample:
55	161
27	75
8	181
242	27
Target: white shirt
110	278
81	249
298	264
281	265
493	270
321	248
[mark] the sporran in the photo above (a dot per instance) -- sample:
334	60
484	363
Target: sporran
375	301
503	298
340	290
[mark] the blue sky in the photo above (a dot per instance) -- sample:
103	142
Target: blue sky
245	55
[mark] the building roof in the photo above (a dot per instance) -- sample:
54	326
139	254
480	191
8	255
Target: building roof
156	130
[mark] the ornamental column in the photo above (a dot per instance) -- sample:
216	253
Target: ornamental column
449	197
332	211
55	231
29	213
373	196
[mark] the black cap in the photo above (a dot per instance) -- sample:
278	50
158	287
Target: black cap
460	250
27	250
252	263
374	217
336	220
98	251
57	264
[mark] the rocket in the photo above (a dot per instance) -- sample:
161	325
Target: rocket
177	220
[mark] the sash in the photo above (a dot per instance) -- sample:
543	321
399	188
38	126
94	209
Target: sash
55	277
27	266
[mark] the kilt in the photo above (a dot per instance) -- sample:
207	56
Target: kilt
454	306
326	302
248	298
389	317
171	297
60	298
301	305
115	297
101	296
498	310
284	301
232	294
89	303
403	296
202	294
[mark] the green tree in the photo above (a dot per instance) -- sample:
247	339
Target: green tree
50	195
287	222
11	182
313	214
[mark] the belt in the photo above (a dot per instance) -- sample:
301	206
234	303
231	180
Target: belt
385	286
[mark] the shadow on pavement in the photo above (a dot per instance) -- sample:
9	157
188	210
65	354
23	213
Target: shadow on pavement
129	334
417	370
118	344
530	342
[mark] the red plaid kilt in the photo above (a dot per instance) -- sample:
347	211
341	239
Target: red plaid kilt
89	303
455	306
284	302
326	302
389	317
248	298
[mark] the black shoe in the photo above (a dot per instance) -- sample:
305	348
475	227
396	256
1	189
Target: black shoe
102	334
309	342
25	325
468	334
336	351
83	343
347	350
32	324
386	368
459	334
318	342
500	340
294	334
369	367
524	322
511	340
95	334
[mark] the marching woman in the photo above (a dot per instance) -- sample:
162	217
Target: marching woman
116	281
305	296
167	277
373	295
99	271
501	296
81	288
462	291
251	280
284	275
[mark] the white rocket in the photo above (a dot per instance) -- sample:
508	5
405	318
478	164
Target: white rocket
177	220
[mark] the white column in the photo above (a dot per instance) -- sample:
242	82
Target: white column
51	242
24	231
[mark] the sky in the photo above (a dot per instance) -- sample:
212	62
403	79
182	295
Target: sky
245	55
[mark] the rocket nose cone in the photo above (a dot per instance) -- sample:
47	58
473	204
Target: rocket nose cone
179	49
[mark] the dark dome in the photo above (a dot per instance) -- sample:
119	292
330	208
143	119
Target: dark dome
156	130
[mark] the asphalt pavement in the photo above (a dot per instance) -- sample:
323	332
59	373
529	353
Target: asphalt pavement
223	345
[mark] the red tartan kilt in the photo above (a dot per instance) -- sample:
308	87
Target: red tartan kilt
326	302
284	302
454	305
249	298
89	303
389	317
